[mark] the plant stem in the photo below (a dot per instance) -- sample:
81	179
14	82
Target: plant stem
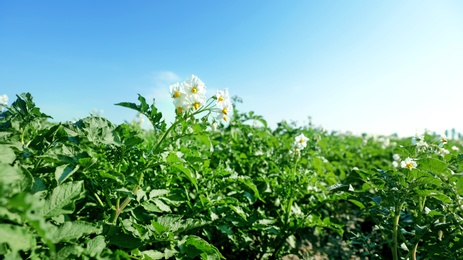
395	230
121	207
413	251
421	204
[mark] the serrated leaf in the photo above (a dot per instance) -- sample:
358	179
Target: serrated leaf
62	199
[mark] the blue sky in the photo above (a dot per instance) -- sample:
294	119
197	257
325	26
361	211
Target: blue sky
378	67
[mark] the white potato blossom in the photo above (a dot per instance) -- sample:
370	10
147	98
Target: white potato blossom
408	163
300	142
194	86
222	96
223	105
456	149
188	95
223	108
419	141
3	101
443	139
396	160
442	152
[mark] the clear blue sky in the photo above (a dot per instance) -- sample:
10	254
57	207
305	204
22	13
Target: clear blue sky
370	66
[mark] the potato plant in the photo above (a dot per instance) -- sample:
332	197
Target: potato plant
220	184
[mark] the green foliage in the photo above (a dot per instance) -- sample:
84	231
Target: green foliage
94	190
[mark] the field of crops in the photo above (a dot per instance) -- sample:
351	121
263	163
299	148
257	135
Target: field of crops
219	184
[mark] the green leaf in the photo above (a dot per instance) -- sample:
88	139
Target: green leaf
162	206
38	185
62	199
71	231
248	182
63	172
9	174
96	245
17	238
432	164
187	173
7	154
357	203
152	254
157	193
129	105
70	252
195	246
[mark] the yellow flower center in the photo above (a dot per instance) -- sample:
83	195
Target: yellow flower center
176	94
224	111
225	118
196	105
194	89
220	98
301	141
409	165
179	110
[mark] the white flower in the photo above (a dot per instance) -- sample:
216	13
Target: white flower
189	95
396	157
456	149
177	91
4	100
442	152
408	163
301	139
193	102
419	141
300	142
194	86
223	108
395	164
222	96
443	139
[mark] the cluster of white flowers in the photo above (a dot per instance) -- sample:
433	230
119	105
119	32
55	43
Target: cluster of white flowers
419	141
408	163
190	95
442	151
300	142
3	101
223	105
396	160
